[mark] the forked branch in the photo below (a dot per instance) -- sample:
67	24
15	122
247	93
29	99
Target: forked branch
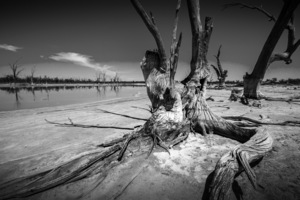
222	74
291	45
200	42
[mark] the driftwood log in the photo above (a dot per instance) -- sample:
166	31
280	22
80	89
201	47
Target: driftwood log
178	109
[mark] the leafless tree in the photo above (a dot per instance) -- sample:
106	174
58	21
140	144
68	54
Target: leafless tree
116	78
103	76
185	103
15	70
32	71
221	74
285	21
98	75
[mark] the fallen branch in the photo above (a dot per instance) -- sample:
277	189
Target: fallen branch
149	110
137	118
285	123
71	124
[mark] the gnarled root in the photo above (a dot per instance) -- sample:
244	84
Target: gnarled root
239	160
256	143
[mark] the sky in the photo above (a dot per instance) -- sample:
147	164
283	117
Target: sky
78	38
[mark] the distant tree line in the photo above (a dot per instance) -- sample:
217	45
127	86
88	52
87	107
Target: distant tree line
295	81
52	80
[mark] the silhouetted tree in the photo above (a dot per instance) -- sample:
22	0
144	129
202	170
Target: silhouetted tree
15	70
285	21
221	74
32	71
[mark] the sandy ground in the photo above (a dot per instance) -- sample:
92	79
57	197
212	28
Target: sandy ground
29	145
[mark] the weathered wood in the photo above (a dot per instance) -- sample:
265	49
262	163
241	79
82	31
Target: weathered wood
71	124
158	78
73	170
200	43
156	81
239	160
197	79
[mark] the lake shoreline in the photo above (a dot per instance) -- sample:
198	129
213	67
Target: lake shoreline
30	145
45	85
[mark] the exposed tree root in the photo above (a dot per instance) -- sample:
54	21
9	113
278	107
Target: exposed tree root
239	160
256	143
71	171
91	163
126	186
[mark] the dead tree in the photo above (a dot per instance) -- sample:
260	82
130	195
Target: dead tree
33	69
221	74
104	76
189	96
116	78
177	109
285	21
15	70
98	75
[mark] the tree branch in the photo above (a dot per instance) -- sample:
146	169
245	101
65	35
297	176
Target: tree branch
175	47
218	60
285	123
154	31
216	70
260	9
137	118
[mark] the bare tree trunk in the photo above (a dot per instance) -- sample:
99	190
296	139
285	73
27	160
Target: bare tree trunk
200	41
253	81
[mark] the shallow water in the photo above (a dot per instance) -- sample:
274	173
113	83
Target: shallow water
37	97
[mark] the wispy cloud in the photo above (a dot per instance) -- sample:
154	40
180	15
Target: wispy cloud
9	47
80	59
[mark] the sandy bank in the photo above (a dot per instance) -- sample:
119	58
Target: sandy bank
29	145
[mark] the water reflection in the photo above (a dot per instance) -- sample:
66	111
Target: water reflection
41	96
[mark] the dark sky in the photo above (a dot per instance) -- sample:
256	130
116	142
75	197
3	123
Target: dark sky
73	38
